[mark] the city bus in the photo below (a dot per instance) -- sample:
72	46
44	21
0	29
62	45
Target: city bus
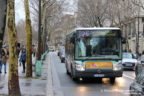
94	53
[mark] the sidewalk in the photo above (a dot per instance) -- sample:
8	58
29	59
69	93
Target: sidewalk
35	86
50	90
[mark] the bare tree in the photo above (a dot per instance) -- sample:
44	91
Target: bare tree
51	14
139	3
120	11
13	80
29	40
105	12
91	13
21	32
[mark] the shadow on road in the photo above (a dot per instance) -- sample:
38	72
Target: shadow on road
128	70
95	81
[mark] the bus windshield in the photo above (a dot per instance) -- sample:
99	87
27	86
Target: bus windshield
98	48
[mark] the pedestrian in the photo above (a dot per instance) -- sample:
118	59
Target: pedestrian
20	61
33	50
19	55
4	53
23	58
18	48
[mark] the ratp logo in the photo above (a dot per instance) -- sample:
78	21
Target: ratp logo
94	65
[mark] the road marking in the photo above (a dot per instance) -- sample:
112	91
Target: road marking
128	77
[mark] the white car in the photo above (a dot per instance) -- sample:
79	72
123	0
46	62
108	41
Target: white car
51	48
128	61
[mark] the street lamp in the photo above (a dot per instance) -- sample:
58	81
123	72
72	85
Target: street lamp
39	30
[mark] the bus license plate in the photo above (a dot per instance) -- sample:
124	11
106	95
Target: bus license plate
128	64
98	75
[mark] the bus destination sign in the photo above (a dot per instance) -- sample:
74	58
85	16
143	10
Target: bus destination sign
98	33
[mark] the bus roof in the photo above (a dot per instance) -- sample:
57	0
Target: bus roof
99	28
94	28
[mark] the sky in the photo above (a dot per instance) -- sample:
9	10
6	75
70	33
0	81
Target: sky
20	12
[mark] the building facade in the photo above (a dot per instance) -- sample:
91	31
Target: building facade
68	24
133	31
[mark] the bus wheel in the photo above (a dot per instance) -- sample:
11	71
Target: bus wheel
67	70
72	75
62	60
112	80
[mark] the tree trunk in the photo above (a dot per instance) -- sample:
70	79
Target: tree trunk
29	40
3	8
13	80
43	7
44	24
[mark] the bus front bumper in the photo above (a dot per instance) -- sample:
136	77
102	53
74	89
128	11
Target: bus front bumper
98	73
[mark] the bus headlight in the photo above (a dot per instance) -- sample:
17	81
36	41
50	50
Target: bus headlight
117	66
80	66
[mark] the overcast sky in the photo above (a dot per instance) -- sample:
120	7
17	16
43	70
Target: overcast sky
20	12
19	9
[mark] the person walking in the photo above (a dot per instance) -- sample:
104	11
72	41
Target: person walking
23	58
20	61
4	53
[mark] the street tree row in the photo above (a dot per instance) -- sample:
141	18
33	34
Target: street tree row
98	13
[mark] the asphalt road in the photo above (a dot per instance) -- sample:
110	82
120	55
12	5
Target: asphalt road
63	85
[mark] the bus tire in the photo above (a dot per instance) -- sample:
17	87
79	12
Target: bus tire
62	60
58	54
67	72
75	79
112	80
72	75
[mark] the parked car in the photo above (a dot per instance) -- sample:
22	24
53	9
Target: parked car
128	61
51	48
60	48
62	56
137	87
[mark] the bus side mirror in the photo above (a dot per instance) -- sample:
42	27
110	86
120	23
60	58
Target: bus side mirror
123	40
72	40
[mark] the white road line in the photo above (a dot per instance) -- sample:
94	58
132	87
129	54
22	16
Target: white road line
130	77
